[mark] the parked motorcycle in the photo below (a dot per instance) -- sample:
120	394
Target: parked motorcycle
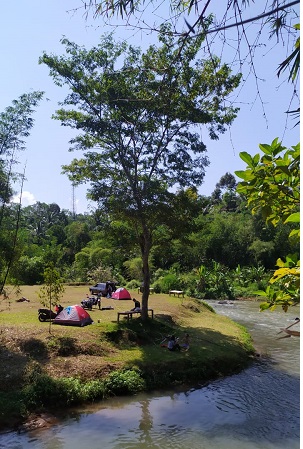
89	302
47	314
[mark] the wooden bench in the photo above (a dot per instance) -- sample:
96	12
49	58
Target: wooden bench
176	292
129	314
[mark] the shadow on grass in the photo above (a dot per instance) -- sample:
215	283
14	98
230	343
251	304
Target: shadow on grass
39	350
34	348
212	354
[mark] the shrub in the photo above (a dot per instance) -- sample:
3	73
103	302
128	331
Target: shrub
168	282
45	391
157	286
124	382
133	284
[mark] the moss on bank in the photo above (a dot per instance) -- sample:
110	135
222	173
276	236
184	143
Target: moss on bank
44	366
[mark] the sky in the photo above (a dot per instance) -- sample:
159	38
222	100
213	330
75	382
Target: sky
29	28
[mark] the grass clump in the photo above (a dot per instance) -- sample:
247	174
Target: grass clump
47	392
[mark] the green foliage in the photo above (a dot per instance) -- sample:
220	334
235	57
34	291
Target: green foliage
133	284
134	268
45	391
29	270
293	60
233	239
52	291
262	251
169	281
271	184
228	238
127	381
284	285
214	282
16	122
77	235
99	274
15	125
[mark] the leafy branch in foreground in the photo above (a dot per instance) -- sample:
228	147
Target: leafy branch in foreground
271	184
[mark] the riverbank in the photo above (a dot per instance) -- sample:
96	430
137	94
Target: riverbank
101	358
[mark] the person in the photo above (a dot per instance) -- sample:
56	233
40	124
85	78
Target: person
58	309
137	305
185	344
109	291
99	300
172	344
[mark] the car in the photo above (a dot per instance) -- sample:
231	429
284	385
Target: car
102	288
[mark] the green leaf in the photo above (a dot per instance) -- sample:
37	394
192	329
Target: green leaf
293	218
247	158
267	149
260	293
264	306
295	233
246	175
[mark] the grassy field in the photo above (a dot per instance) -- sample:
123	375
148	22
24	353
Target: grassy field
217	345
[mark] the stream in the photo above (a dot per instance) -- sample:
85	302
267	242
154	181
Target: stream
258	408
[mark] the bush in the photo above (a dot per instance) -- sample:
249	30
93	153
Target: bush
124	382
133	284
156	286
167	282
47	392
44	391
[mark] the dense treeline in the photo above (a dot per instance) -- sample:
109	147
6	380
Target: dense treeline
208	236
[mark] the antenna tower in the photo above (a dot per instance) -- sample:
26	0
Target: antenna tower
73	201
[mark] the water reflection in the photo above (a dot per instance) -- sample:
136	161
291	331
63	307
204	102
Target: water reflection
258	408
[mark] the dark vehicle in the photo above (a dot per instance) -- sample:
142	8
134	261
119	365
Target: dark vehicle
103	288
46	315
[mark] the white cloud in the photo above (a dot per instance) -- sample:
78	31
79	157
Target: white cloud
27	198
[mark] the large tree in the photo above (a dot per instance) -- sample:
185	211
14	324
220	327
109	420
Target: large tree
15	124
138	116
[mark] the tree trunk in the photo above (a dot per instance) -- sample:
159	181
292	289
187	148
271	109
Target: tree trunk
145	244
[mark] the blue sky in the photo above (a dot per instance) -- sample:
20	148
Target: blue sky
29	28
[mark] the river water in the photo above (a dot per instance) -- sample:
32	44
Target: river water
256	409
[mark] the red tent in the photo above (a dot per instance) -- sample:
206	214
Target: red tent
73	316
121	293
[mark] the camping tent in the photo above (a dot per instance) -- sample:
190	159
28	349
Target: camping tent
73	316
121	293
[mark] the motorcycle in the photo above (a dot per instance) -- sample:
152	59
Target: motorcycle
47	314
89	302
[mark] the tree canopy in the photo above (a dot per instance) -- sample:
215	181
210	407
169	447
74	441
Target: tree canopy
239	27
